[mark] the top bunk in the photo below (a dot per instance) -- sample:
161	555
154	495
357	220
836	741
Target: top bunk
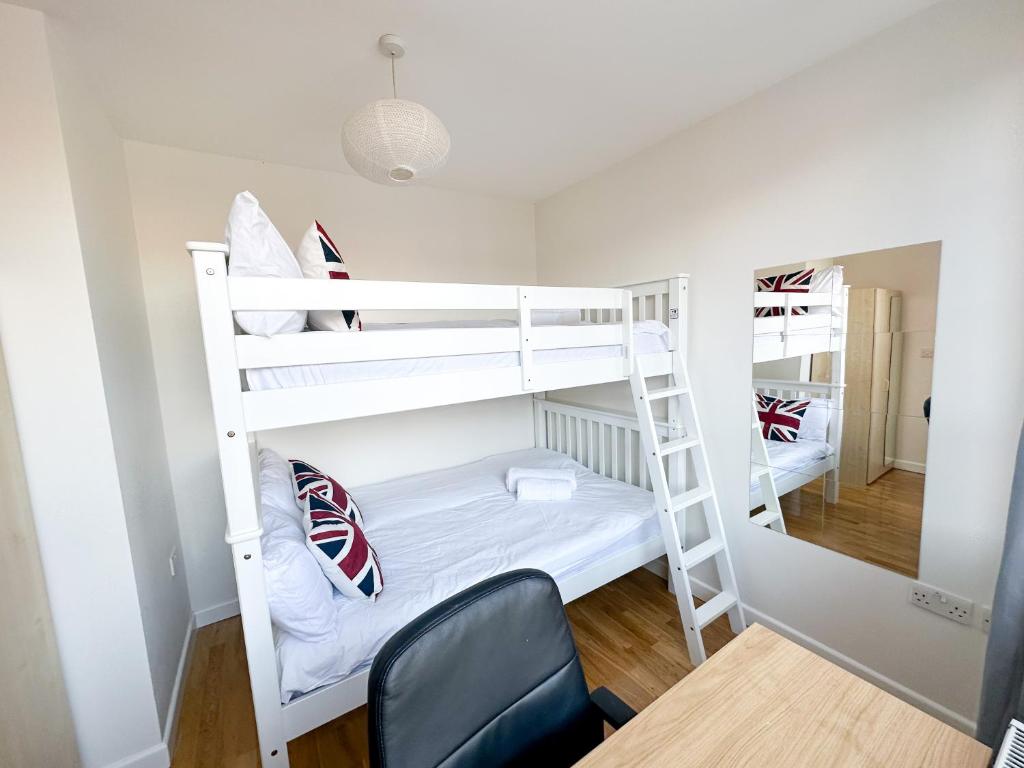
793	322
545	338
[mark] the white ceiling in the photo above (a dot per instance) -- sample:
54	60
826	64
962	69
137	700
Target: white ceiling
537	94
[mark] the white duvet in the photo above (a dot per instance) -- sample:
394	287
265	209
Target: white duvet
440	532
788	460
648	336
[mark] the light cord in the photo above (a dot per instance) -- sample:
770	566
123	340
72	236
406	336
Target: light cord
394	86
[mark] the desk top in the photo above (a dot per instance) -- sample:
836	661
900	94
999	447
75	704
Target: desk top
764	701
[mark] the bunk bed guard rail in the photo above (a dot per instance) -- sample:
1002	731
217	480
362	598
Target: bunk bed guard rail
612	307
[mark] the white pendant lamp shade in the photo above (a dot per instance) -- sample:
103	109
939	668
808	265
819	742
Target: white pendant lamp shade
394	141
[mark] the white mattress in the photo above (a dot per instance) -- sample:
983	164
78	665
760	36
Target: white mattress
440	532
790	460
648	336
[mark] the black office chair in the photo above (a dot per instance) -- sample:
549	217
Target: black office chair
488	678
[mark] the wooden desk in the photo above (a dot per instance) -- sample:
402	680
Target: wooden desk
763	701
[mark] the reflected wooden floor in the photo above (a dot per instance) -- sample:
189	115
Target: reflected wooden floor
879	523
628	634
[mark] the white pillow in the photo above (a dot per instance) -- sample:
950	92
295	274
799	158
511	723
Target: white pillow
814	424
555	317
276	494
299	596
320	258
258	250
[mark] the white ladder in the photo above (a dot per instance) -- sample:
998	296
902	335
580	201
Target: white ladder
761	471
673	503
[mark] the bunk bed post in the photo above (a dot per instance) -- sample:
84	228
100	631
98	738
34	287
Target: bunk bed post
540	426
677	319
838	393
627	333
678	312
525	346
243	517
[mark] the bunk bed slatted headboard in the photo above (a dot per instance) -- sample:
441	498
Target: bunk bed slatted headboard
604	442
793	390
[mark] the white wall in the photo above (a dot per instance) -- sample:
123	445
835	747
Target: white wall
910	137
57	391
99	186
383	233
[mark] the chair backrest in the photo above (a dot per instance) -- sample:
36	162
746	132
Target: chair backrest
490	677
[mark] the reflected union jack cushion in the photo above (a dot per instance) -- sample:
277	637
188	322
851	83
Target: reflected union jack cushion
780	419
340	547
308	479
794	282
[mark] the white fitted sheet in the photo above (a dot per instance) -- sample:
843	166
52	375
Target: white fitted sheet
440	532
648	336
789	460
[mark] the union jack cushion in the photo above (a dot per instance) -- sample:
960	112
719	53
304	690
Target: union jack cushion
780	419
794	282
340	547
308	479
319	257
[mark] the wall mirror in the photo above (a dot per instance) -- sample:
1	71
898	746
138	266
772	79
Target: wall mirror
841	401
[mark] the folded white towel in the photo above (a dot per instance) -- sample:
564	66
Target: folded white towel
543	489
515	474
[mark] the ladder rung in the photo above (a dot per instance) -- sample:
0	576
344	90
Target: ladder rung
714	608
698	554
689	498
767	517
674	446
660	394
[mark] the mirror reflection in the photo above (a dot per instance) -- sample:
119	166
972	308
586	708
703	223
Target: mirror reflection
841	401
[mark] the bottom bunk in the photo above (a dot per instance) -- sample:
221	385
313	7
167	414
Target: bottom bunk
435	534
792	465
817	446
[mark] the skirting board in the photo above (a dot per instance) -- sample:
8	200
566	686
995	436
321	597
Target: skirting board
154	757
216	613
178	690
159	755
704	592
909	466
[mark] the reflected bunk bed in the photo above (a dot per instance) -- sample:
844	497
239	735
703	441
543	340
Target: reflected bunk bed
795	325
611	526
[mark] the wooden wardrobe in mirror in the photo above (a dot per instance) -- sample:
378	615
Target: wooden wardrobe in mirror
872	394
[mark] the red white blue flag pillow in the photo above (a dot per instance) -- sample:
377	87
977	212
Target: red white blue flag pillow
319	257
780	419
340	547
794	282
308	479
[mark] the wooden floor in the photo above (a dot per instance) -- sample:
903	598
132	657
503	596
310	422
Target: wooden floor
628	634
878	523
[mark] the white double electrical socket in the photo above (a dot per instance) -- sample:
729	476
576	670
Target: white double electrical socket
946	604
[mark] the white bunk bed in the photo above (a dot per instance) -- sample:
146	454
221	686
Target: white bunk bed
521	358
822	329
